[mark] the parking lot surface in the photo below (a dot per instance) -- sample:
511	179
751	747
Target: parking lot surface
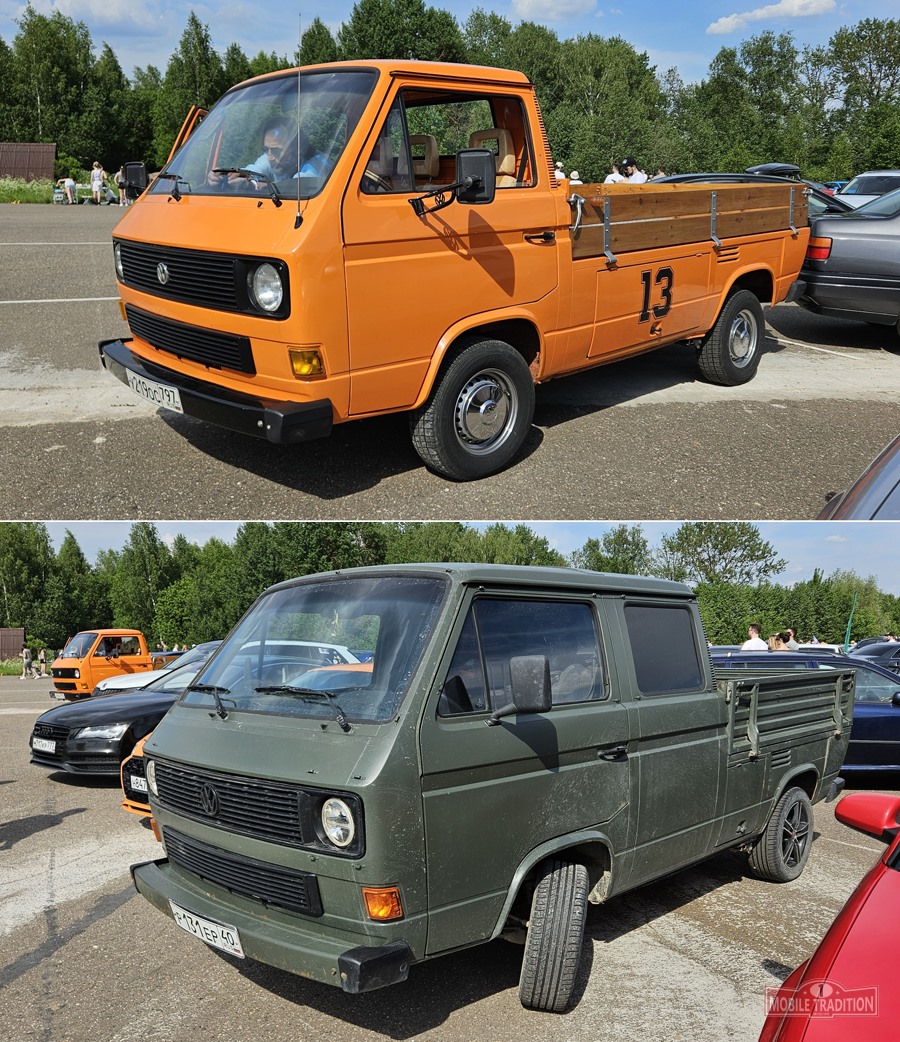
639	439
84	958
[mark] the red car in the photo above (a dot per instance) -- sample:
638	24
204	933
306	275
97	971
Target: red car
847	990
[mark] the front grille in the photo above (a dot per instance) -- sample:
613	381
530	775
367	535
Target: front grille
272	884
217	350
65	687
276	812
195	277
51	731
264	810
66	672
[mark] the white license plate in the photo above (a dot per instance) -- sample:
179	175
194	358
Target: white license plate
138	783
157	393
44	745
218	935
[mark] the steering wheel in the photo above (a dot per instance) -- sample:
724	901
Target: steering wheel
378	184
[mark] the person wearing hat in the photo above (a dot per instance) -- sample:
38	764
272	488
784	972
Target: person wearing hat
575	178
630	170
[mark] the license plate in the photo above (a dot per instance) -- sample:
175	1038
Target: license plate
218	935
157	393
138	783
44	745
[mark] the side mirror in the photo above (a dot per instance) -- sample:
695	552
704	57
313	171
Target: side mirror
874	813
895	699
479	165
529	677
135	179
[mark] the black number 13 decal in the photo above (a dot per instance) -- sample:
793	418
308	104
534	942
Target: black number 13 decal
664	279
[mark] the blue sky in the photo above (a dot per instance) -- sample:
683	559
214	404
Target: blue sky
686	34
865	547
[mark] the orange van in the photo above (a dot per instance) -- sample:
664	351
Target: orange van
94	655
342	241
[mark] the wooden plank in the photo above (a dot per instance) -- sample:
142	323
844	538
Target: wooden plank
645	217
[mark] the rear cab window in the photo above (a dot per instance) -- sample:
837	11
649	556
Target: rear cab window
665	648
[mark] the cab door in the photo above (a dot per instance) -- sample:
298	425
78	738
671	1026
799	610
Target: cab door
412	279
194	118
493	795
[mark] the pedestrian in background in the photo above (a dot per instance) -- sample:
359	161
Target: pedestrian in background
27	667
42	659
754	642
98	176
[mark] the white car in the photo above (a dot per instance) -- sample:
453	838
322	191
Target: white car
869	185
116	685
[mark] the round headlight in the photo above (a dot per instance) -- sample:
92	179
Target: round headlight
265	287
120	268
78	674
150	771
338	822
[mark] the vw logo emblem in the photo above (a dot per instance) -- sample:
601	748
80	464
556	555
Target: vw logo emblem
162	273
209	800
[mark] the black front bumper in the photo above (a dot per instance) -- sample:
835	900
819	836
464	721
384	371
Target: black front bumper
282	423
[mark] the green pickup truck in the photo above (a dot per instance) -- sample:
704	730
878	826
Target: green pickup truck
514	744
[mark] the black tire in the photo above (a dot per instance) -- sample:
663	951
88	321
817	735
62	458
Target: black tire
783	849
478	413
731	351
555	936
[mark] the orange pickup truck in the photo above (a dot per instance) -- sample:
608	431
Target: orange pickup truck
93	655
342	241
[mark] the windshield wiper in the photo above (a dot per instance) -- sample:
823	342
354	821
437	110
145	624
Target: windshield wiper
215	692
310	694
252	175
179	180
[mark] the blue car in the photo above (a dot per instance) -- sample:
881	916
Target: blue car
875	737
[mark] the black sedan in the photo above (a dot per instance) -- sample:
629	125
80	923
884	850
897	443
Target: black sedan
874	496
851	268
885	654
94	736
875	737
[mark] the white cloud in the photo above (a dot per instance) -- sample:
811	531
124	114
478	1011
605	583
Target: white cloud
836	539
784	9
551	10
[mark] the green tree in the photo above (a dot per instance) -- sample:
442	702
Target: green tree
623	549
141	571
203	604
500	544
317	45
235	66
26	562
865	60
400	29
102	126
719	551
419	541
194	76
486	35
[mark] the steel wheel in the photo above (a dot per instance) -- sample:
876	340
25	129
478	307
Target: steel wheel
743	339
486	411
731	351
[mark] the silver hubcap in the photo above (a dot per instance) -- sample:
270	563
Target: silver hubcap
742	339
486	411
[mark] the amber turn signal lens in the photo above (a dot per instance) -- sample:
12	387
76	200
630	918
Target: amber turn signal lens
155	830
818	249
382	902
306	363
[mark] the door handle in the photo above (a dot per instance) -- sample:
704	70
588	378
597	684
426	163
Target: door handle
617	752
541	237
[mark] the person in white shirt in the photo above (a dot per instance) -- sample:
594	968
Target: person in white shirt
629	168
755	642
614	177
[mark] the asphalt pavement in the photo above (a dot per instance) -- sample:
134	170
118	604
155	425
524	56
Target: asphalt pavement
640	439
83	958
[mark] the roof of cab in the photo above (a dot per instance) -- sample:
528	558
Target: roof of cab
514	575
433	70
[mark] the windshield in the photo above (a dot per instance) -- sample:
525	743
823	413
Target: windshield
885	206
252	142
78	646
290	654
871	184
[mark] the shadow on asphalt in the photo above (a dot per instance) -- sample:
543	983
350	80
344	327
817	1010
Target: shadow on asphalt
825	331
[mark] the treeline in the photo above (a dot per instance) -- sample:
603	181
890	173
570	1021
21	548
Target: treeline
185	593
833	110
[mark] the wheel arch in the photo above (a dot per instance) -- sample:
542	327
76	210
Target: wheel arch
759	281
590	848
519	330
804	776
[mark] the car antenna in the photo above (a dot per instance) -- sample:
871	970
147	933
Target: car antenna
298	220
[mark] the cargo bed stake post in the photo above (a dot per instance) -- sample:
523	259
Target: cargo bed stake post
714	219
610	256
791	216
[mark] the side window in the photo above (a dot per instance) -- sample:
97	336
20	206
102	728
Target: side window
417	146
497	630
870	687
664	648
130	646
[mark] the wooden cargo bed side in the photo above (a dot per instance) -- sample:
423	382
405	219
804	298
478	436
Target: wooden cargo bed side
649	216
